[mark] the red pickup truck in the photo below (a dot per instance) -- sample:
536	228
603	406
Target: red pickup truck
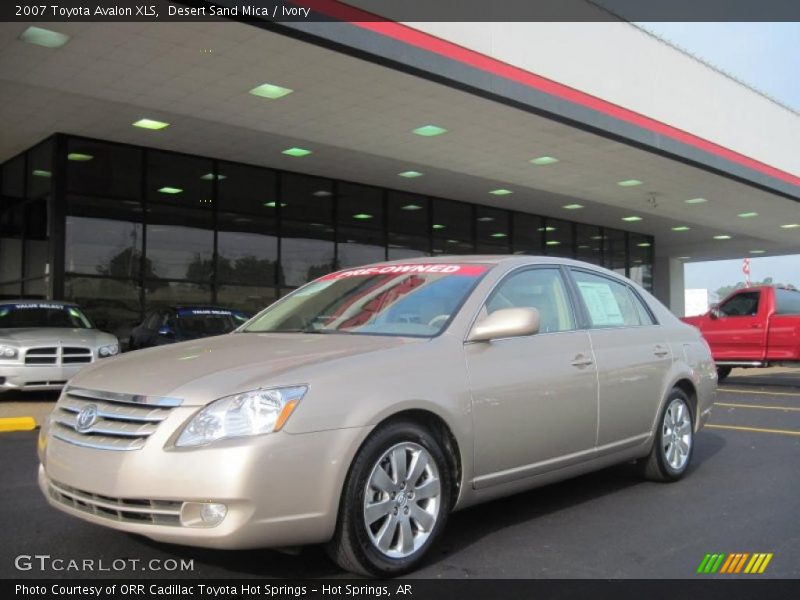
753	327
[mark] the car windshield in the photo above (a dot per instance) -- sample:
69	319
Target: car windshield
42	314
208	321
401	300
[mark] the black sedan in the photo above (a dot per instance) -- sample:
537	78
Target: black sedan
181	323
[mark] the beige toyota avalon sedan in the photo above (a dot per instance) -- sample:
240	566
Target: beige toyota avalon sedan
363	408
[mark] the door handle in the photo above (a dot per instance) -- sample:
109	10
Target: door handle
581	361
660	351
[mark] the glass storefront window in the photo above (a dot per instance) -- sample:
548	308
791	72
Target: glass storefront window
615	250
247	250
13	180
103	169
558	237
528	234
103	247
113	305
40	170
307	252
180	244
245	190
166	293
179	180
453	227
588	244
359	206
493	234
306	198
407	213
640	248
359	247
404	246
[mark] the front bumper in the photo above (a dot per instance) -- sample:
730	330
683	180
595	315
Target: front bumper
280	489
36	377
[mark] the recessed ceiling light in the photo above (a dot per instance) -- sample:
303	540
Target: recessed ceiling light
573	206
632	219
722	237
297	152
362	216
681	228
271	91
44	37
150	124
790	226
41	173
544	160
757	251
452	241
499	235
485	219
598	237
643	244
684	257
429	130
411	207
583	247
79	157
747	215
501	192
696	201
553	242
273	204
170	190
547	228
438	226
210	177
322	194
411	174
629	183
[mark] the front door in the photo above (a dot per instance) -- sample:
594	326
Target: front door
534	398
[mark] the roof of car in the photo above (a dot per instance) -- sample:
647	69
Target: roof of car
201	307
492	259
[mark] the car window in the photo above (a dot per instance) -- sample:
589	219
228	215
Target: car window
611	303
744	304
42	314
788	302
542	289
151	322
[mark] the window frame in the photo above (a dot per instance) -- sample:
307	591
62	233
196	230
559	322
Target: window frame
759	298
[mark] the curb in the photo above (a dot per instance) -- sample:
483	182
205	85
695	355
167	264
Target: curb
17	424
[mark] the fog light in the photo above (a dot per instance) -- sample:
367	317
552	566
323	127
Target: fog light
203	514
212	514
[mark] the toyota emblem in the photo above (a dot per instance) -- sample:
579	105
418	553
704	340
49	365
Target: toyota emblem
86	418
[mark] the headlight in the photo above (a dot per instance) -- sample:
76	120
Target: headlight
110	350
245	414
8	352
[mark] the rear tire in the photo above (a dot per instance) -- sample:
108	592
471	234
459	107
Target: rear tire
395	502
723	372
672	449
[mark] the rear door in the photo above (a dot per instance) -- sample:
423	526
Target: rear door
534	397
739	331
632	357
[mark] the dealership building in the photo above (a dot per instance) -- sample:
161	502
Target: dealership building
222	162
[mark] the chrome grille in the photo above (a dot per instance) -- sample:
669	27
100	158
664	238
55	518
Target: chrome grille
57	355
121	421
156	512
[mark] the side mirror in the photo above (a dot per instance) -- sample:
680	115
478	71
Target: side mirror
713	312
166	331
505	323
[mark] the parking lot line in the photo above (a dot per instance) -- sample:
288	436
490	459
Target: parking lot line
757	406
758	392
756	429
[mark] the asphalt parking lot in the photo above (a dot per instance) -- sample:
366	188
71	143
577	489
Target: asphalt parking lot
742	495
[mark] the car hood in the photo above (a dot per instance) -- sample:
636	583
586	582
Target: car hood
203	370
54	335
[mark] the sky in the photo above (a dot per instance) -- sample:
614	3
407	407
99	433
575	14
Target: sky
765	56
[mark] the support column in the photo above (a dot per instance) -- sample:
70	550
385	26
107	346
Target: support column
668	283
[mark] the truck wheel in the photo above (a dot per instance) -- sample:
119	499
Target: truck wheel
723	372
395	502
671	453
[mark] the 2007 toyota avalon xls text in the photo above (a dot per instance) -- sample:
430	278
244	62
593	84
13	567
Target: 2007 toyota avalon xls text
364	407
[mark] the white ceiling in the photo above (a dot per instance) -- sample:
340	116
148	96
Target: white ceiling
357	117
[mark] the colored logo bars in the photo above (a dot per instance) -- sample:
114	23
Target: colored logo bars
732	564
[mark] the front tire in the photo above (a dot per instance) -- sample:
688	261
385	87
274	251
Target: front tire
395	502
672	451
